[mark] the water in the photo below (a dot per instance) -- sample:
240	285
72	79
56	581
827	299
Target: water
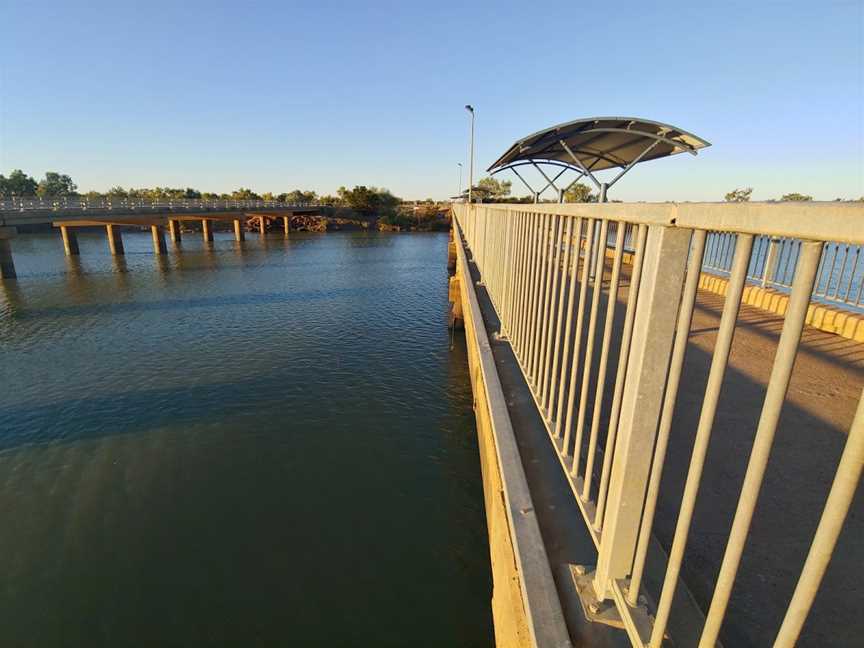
260	444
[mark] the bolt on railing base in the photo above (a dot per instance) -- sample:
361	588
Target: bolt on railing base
595	610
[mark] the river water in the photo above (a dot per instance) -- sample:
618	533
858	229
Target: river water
267	443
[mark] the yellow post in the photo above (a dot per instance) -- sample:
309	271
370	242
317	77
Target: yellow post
207	232
286	221
239	234
115	242
262	225
174	231
158	235
70	241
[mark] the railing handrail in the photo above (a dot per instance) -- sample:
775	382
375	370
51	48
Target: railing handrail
834	221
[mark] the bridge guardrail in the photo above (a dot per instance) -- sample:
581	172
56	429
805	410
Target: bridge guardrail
108	203
538	263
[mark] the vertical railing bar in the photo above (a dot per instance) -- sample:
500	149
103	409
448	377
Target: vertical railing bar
523	281
573	244
833	265
565	273
612	296
538	311
544	303
778	384
509	269
852	274
533	277
589	345
577	342
626	337
830	525
550	325
679	350
842	269
821	271
719	362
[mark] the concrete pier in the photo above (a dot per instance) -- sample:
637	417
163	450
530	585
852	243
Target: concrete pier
239	234
158	234
262	225
7	267
286	222
174	231
207	232
115	242
70	241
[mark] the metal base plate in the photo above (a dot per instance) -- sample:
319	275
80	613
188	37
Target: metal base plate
595	611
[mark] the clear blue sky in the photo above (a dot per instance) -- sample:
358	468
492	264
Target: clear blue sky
282	95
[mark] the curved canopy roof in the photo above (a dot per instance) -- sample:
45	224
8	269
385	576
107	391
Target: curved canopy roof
601	143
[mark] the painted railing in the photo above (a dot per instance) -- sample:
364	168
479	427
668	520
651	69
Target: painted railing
545	268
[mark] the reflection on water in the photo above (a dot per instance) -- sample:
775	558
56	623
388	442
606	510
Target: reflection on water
265	443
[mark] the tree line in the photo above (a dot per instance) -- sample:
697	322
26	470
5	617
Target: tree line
363	199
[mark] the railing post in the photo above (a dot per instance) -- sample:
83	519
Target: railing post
659	294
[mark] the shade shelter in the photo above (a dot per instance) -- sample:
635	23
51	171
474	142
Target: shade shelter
587	146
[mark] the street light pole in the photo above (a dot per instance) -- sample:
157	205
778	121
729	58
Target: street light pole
470	109
459	192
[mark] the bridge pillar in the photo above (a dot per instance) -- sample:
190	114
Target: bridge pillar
7	267
286	222
115	242
239	234
70	240
262	226
158	235
174	231
454	295
207	232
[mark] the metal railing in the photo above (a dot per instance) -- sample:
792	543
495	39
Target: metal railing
109	203
545	269
839	281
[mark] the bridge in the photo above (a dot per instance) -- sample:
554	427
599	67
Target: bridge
67	214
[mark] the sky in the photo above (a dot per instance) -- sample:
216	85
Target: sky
280	95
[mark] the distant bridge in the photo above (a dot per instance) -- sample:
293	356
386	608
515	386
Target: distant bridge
70	213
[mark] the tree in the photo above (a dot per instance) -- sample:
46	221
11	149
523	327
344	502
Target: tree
579	193
795	197
245	194
496	188
739	195
18	184
55	185
118	192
